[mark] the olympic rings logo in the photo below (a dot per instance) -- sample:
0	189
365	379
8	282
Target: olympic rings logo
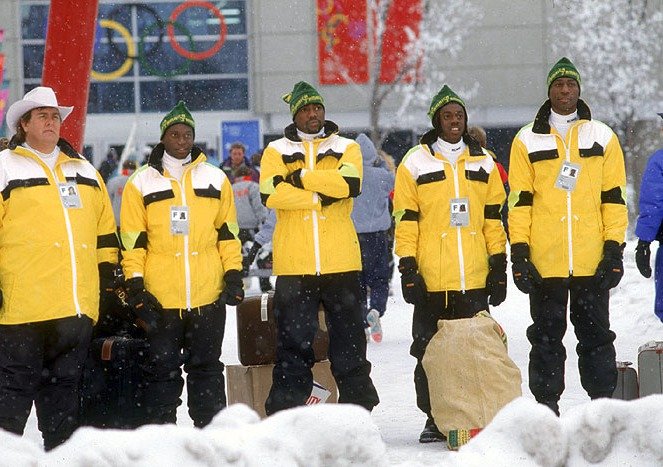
170	26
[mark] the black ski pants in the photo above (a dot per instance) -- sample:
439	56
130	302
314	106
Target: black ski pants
193	338
590	318
42	363
296	303
439	305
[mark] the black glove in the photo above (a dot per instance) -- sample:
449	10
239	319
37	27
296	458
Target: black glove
145	305
295	178
611	268
643	258
525	275
412	284
496	279
247	261
233	290
111	285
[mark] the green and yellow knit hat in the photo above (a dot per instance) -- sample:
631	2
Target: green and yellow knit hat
179	114
563	68
302	94
442	98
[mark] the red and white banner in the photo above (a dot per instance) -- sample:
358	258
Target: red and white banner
342	42
403	19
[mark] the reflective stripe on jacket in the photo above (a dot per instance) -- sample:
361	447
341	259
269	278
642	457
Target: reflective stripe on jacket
181	270
449	257
566	229
49	254
314	233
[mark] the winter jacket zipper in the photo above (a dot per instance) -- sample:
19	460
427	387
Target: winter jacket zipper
314	215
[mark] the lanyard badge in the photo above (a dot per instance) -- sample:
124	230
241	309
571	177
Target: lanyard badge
179	220
568	176
460	212
69	195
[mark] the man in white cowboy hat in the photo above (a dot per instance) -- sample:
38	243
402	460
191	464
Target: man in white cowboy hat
57	238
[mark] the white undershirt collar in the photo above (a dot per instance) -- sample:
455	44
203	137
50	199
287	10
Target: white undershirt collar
174	166
450	151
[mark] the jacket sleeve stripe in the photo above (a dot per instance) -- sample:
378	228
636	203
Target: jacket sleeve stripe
492	211
351	176
157	196
209	192
406	215
547	154
24	183
431	177
595	150
267	187
134	240
613	196
107	241
228	231
520	198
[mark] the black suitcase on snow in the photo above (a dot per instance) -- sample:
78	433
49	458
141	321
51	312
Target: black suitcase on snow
113	383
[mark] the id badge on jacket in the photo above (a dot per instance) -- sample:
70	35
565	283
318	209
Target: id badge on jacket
69	195
568	176
460	212
179	220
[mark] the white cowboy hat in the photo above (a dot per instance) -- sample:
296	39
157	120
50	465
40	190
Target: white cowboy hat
40	96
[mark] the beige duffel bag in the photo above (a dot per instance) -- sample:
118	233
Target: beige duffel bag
470	375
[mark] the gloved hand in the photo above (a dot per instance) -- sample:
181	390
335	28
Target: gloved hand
295	178
611	268
496	279
145	305
111	285
525	275
643	258
247	261
233	290
412	284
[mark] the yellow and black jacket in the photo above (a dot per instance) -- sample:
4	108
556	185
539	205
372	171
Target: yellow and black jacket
566	229
49	254
314	233
449	258
182	271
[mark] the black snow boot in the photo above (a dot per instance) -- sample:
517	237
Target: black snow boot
431	434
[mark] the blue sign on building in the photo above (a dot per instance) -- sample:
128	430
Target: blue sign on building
246	132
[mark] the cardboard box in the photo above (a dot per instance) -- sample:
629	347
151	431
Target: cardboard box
250	385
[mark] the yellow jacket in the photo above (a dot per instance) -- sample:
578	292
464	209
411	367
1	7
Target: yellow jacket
49	254
448	257
181	270
314	233
566	229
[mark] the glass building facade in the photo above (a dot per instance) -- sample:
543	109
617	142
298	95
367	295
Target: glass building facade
148	54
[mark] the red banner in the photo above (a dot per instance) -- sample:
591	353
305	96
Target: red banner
342	42
403	16
2	71
4	97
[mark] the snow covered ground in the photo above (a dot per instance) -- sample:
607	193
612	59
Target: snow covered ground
608	432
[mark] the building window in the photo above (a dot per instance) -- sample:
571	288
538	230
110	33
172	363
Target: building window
149	54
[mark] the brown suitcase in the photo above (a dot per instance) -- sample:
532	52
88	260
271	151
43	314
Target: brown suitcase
256	331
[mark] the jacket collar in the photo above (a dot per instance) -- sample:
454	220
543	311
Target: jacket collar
63	144
155	159
431	136
290	131
541	125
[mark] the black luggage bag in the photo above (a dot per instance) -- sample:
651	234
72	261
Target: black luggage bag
113	383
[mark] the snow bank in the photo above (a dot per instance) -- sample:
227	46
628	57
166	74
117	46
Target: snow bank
324	435
603	432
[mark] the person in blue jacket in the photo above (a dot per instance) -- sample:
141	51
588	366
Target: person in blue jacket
372	219
648	227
